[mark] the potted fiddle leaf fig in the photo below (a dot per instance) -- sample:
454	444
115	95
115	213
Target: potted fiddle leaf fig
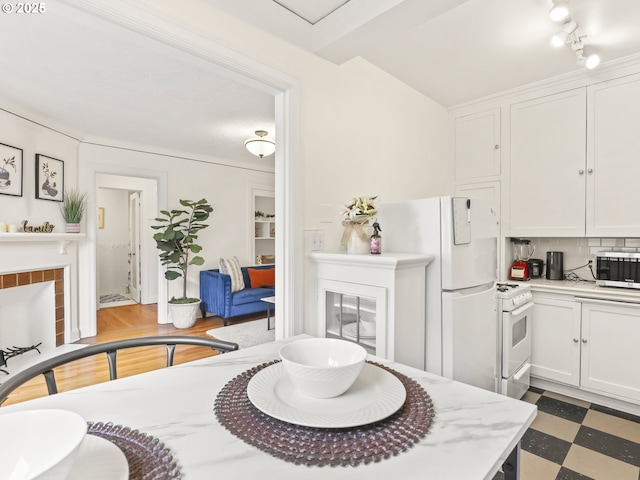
177	232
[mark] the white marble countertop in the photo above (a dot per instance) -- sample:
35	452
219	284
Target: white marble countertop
473	431
584	289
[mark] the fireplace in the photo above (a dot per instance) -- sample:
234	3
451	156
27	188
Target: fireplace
55	275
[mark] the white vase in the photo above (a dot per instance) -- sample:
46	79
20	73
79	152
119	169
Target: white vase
356	245
183	315
72	228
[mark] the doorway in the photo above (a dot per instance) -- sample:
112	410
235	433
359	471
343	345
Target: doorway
120	251
118	244
289	185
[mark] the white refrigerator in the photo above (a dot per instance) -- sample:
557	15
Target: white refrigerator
462	319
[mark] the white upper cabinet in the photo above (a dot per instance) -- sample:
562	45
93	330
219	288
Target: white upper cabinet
613	158
477	145
547	168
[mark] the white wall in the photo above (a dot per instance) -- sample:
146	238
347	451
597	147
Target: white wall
224	187
33	138
363	132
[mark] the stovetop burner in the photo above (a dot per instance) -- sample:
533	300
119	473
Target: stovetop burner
506	290
505	287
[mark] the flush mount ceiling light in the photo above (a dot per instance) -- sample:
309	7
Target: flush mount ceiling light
259	145
569	35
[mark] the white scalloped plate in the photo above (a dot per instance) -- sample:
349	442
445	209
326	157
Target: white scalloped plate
99	459
351	332
375	395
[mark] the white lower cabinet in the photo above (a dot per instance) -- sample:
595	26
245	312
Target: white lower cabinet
589	344
555	334
611	349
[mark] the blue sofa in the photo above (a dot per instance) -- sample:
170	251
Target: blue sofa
216	296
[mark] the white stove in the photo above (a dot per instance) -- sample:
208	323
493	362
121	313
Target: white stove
512	295
514	308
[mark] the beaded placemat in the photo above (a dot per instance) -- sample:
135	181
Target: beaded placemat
323	446
148	458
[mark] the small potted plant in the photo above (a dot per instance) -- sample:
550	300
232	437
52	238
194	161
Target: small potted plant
72	209
175	239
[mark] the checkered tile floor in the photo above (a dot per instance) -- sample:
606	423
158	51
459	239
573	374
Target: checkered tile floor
575	440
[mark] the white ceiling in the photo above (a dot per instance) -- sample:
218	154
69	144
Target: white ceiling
453	51
110	83
107	82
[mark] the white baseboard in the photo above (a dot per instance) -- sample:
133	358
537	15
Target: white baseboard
591	397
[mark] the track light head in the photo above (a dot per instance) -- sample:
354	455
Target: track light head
559	11
592	61
559	39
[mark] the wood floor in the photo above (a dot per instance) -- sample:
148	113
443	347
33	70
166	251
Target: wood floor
118	323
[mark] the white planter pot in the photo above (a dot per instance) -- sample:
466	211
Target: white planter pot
183	315
72	228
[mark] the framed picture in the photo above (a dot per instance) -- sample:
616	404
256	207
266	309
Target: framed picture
10	170
49	178
100	217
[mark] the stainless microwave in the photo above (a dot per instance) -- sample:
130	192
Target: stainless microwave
618	269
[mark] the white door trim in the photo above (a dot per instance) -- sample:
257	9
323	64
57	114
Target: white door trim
87	251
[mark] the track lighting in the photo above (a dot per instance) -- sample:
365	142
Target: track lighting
569	35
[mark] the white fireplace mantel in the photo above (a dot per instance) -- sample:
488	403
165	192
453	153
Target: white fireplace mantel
62	238
394	282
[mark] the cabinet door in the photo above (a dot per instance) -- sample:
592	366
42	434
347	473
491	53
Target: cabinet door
613	150
610	353
547	178
355	312
477	145
555	335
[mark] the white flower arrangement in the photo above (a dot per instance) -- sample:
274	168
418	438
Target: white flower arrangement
360	206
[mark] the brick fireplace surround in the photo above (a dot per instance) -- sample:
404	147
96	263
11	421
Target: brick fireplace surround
10	280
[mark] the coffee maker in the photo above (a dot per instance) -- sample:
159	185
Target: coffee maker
522	252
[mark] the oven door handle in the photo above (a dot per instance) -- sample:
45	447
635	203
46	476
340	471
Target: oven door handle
522	309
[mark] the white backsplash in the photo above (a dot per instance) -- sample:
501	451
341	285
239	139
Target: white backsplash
578	251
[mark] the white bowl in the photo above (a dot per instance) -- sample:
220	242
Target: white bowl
322	367
39	444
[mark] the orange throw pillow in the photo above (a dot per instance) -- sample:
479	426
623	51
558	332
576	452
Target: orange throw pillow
262	277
